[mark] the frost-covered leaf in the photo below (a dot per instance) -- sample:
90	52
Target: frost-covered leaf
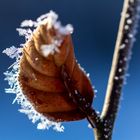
11	75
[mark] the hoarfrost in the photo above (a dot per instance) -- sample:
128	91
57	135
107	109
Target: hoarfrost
50	48
11	75
12	52
120	70
25	32
122	46
129	21
50	19
28	23
88	74
126	27
116	78
89	126
106	136
95	90
131	35
127	15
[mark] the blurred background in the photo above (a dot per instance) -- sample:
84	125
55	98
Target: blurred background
96	24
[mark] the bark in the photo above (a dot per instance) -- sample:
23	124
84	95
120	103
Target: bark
124	43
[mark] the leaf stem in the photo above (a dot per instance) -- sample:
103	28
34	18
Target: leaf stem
79	100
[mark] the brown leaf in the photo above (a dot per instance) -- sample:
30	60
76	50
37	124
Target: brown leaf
40	75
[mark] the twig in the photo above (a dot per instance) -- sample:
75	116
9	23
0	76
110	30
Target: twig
124	43
79	100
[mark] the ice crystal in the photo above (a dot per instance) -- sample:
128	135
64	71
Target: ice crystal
89	126
12	52
28	23
49	18
120	70
129	21
116	78
11	75
122	46
50	48
25	32
126	27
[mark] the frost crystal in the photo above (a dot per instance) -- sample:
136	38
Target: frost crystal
28	23
51	20
129	21
13	71
12	52
89	126
50	48
122	46
25	32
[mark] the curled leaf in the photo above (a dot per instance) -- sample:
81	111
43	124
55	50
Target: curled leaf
48	49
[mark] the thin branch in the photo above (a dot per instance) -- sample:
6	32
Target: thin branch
124	43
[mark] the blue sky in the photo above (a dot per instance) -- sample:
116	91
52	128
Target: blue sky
95	23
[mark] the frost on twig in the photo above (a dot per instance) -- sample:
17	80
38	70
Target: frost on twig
124	44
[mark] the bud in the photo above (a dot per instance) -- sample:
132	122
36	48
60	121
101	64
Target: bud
46	51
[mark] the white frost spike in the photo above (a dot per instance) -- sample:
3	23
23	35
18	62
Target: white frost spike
127	15
116	78
69	28
131	35
89	126
50	19
129	21
88	75
95	90
25	32
28	23
12	52
122	46
126	27
65	30
120	70
58	127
